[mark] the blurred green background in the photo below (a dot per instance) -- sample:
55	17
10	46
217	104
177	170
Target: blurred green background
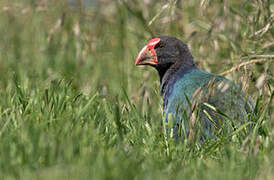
73	104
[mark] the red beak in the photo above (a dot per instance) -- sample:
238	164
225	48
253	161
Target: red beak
148	56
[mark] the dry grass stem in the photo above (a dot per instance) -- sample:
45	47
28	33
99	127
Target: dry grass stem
247	63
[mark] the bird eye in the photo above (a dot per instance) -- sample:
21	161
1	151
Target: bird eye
159	45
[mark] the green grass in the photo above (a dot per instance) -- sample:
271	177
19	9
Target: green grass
74	106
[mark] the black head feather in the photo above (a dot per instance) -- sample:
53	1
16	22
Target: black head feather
172	55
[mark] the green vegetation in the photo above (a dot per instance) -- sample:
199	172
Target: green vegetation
74	106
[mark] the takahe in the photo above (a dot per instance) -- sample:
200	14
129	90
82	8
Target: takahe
192	97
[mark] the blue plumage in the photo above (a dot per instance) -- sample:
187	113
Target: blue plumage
208	91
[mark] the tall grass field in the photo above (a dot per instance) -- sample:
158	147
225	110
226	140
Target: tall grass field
74	106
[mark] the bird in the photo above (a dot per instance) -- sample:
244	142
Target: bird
192	96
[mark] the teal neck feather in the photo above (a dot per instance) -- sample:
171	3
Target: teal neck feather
169	80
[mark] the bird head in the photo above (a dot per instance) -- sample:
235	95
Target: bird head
164	51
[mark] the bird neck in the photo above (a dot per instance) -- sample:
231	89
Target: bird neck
171	76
